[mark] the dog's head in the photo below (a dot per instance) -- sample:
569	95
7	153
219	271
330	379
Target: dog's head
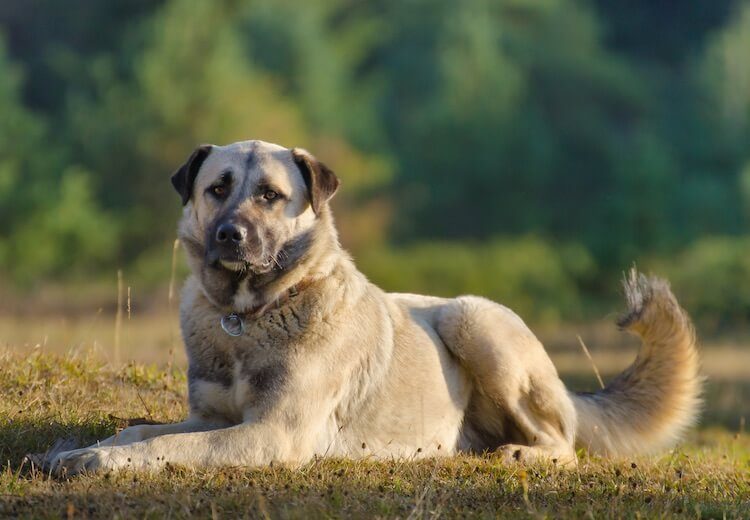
251	209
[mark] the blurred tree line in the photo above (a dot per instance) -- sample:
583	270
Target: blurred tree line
528	150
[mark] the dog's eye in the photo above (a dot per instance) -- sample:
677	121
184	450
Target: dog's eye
219	191
270	195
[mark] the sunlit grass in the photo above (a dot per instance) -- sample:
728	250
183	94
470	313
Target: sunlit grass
44	397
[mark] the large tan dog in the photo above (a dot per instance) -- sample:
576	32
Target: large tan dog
293	353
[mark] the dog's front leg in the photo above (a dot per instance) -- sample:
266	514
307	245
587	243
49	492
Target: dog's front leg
242	445
141	432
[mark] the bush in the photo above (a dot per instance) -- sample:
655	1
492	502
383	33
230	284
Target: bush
536	279
70	234
710	279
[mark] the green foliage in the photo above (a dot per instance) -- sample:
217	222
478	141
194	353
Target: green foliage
449	123
21	133
535	279
711	280
50	223
726	70
69	235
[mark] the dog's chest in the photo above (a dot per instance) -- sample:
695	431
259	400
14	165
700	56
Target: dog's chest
243	392
234	378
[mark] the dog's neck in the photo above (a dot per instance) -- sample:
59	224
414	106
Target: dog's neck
263	306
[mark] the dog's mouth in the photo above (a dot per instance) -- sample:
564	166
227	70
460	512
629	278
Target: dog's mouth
234	265
243	266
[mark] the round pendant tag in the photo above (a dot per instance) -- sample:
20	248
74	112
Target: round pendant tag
232	325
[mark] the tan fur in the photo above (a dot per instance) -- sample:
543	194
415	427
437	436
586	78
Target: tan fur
649	406
340	368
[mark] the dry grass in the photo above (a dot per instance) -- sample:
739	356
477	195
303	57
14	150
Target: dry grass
146	338
45	396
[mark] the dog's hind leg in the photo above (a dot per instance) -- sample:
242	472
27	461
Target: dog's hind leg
534	417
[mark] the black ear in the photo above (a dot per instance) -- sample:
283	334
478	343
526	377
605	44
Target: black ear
184	177
321	182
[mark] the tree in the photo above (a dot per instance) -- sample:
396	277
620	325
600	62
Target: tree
48	220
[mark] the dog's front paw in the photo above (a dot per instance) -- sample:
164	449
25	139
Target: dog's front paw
90	460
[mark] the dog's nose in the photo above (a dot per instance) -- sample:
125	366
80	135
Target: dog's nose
230	232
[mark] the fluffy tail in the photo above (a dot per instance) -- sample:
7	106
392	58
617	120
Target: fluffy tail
650	405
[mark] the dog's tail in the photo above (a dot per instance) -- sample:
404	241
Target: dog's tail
649	405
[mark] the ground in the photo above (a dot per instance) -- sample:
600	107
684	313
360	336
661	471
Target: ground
69	390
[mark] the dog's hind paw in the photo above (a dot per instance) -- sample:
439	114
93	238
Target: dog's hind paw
511	454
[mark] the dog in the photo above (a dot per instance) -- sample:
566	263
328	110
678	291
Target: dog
294	354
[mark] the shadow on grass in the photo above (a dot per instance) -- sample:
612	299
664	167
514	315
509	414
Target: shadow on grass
19	437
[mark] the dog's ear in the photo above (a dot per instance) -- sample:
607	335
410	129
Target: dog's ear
184	177
321	182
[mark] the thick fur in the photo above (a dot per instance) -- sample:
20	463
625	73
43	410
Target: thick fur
330	365
651	404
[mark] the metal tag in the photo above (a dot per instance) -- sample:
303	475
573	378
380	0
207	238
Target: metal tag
232	324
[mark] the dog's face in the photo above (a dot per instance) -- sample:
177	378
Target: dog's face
250	208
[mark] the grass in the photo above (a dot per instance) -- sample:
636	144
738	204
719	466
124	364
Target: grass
58	379
45	396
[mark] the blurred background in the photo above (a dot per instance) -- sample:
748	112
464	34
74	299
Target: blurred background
526	150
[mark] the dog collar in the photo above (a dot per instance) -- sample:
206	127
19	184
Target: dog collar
234	322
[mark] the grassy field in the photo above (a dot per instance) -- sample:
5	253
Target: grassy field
59	380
